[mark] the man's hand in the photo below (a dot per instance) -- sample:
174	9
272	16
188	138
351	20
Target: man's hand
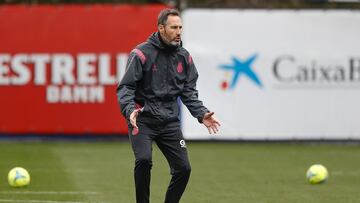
211	123
133	117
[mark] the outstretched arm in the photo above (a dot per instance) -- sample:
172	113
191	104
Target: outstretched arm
189	97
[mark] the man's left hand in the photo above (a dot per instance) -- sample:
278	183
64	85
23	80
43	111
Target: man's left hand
211	122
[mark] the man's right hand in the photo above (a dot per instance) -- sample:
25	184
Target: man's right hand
133	117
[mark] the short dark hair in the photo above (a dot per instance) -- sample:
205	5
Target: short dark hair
163	15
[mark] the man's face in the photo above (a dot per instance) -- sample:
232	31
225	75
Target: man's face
171	31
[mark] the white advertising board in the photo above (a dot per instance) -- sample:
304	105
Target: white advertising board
276	74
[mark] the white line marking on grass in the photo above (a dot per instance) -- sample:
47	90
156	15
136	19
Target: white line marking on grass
49	192
45	170
344	173
35	201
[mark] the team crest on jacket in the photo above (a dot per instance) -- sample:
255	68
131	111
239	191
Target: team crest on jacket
179	67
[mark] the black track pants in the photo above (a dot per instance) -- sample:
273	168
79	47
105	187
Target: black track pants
169	139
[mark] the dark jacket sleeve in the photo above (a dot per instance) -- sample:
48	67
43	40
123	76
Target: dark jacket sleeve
127	86
189	95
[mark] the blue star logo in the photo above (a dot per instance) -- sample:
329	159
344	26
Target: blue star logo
242	68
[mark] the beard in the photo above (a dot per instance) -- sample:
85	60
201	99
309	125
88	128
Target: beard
170	41
174	43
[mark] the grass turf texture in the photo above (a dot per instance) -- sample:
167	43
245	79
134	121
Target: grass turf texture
221	172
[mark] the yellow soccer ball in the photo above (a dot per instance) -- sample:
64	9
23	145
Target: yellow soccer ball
18	177
316	174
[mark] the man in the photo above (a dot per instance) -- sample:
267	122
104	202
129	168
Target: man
158	72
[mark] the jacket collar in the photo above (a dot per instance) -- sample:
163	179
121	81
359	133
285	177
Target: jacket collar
156	40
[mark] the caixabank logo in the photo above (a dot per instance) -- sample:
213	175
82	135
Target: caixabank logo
237	69
293	72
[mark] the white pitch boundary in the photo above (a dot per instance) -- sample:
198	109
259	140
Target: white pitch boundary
344	173
44	170
35	201
49	192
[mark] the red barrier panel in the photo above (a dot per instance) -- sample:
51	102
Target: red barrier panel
59	65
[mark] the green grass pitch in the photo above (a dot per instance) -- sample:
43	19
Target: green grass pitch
78	172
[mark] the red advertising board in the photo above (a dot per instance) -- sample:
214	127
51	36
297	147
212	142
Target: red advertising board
60	65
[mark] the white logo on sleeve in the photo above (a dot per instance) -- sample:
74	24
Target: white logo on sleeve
182	143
